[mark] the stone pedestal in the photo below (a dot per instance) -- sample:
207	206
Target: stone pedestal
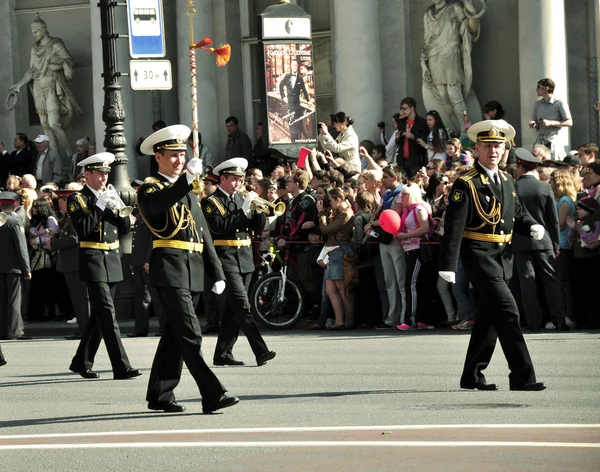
542	54
358	64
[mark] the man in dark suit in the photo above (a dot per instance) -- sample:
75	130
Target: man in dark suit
14	266
98	225
19	162
411	127
67	262
232	221
538	258
483	213
145	297
291	89
182	251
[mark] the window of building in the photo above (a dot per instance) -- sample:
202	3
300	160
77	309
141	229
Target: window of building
322	56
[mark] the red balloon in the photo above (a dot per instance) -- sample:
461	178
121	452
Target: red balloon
389	220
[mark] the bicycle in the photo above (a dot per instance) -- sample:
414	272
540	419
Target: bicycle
276	301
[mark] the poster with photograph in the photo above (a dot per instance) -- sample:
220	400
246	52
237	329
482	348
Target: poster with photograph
290	93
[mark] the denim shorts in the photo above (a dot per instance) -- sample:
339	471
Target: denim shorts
335	266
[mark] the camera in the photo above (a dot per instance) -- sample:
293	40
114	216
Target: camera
381	124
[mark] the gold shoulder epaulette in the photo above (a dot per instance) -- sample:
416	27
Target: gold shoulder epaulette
82	203
154	181
215	201
505	175
469	175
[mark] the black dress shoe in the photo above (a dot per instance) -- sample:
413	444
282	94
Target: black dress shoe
2	362
73	336
223	402
263	358
85	373
210	329
168	407
479	386
530	387
137	335
128	374
227	361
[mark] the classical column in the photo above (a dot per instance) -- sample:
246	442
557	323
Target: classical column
542	53
357	64
205	69
9	73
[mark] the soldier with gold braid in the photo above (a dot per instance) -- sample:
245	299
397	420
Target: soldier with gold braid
482	214
98	229
182	250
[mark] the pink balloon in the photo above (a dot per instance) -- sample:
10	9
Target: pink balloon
389	220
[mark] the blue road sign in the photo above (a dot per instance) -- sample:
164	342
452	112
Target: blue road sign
146	28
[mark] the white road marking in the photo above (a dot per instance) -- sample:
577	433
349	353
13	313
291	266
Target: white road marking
306	429
289	444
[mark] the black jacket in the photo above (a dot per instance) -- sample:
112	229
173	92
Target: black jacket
171	267
67	245
227	221
95	225
538	199
14	259
470	191
294	93
417	154
142	243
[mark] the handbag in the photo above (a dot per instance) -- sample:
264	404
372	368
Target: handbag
41	258
350	271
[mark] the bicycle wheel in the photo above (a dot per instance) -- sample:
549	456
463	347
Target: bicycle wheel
271	310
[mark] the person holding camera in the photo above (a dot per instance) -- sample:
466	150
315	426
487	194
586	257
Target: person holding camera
346	144
549	115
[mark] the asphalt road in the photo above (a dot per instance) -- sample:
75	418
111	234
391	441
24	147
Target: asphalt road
329	401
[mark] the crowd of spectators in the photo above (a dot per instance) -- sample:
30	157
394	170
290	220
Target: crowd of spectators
353	273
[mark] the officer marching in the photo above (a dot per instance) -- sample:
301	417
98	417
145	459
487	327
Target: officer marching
182	251
483	212
98	224
232	221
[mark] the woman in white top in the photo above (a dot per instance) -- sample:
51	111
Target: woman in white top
437	138
346	144
415	225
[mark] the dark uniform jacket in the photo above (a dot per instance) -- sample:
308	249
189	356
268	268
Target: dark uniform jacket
15	258
476	208
95	225
227	221
142	243
160	203
538	200
299	210
67	245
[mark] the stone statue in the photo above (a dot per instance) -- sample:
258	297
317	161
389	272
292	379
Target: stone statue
451	27
50	68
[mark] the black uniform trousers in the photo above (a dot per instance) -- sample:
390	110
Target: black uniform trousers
11	324
530	266
498	319
181	342
102	324
237	315
145	298
214	305
79	298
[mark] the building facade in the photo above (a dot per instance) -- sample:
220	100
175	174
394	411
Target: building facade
367	58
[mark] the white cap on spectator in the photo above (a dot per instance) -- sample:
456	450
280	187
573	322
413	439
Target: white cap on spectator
41	138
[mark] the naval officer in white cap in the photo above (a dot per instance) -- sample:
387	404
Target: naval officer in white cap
182	251
483	213
98	228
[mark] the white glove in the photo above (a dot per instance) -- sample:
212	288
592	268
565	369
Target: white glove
101	202
537	232
448	276
250	197
193	167
218	287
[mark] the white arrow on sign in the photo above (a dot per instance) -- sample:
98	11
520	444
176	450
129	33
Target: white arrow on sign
150	75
